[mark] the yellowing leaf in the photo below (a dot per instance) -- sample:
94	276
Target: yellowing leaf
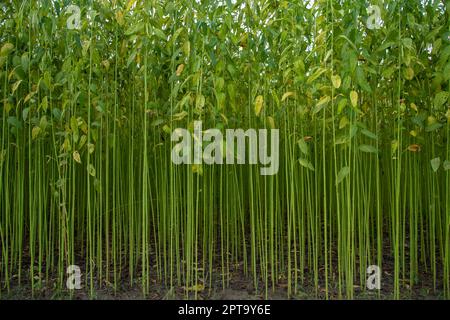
130	4
271	122
35	132
322	102
66	145
408	73
16	85
29	96
414	148
336	79
394	146
167	129
179	116
414	107
315	75
187	48
258	104
119	18
76	156
6	48
198	287
354	98
287	95
180	69
431	120
91	148
200	101
197	168
105	63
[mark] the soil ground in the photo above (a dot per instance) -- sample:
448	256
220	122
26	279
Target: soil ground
240	287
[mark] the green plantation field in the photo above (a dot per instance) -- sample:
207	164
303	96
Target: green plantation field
120	176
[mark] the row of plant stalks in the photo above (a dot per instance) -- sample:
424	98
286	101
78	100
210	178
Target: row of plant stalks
86	176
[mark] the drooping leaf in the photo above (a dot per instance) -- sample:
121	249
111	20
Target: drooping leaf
321	104
287	95
315	75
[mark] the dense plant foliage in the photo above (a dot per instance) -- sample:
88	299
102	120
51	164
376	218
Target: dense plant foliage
88	106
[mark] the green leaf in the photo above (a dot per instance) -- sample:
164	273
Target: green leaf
440	99
435	164
446	165
433	127
91	170
361	80
341	105
368	148
369	134
307	164
25	113
136	28
343	122
343	173
303	147
160	34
